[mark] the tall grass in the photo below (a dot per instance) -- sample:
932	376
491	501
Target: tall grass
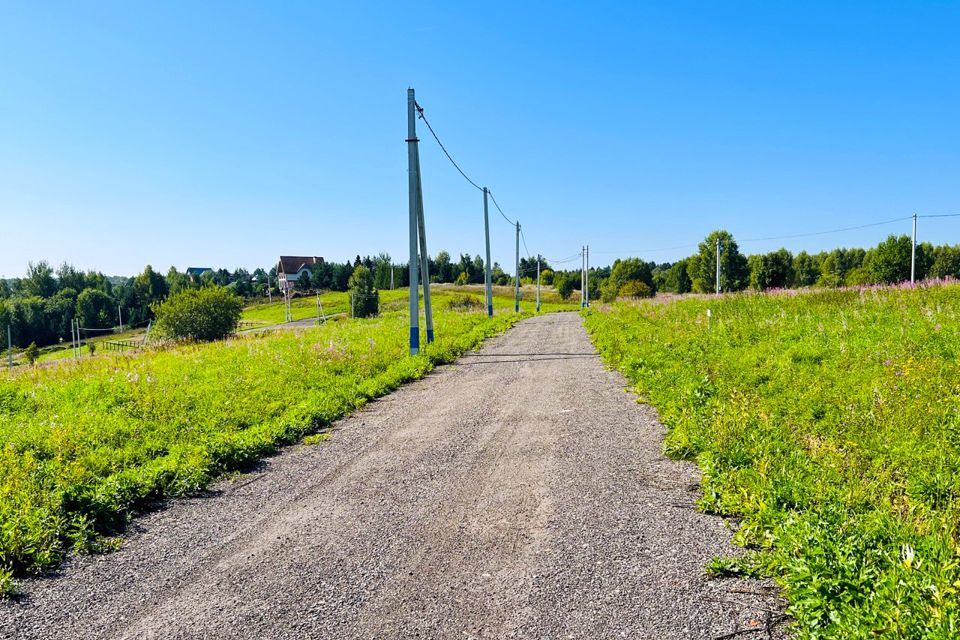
84	446
829	423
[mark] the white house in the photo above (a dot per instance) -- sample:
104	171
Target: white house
291	268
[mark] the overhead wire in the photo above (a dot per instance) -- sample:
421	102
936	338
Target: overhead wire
446	153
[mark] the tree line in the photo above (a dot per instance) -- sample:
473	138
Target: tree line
40	306
887	263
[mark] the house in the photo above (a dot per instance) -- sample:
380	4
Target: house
291	268
194	273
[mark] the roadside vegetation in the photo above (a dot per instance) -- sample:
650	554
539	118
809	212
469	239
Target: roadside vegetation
85	445
828	424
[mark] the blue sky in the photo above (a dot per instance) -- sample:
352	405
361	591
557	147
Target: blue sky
225	134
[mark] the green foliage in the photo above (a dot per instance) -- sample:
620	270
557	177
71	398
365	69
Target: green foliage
39	282
772	270
208	313
828	423
889	262
702	267
564	284
675	278
83	447
95	309
464	302
31	353
150	286
636	289
630	271
945	262
365	298
806	270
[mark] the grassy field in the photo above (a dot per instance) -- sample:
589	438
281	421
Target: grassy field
338	302
829	424
85	445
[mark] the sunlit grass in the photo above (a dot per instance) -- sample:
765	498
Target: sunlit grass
829	422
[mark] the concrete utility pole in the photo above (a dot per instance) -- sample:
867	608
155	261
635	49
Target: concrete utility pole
913	252
586	277
583	253
718	266
424	257
120	315
487	276
516	291
391	277
538	283
9	348
413	181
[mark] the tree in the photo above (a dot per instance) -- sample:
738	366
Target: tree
205	314
95	309
39	281
443	267
702	267
69	277
381	275
150	286
889	261
772	270
946	262
177	281
677	278
564	284
364	297
806	271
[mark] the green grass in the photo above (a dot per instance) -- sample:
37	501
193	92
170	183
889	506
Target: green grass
829	424
83	446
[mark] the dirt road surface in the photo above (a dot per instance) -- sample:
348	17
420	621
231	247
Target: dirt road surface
518	493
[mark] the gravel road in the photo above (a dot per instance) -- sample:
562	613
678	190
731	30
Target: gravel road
518	493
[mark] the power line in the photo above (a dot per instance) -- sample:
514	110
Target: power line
823	233
490	193
447	153
941	215
525	244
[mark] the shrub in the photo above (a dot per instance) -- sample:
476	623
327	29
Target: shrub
364	297
636	289
208	313
464	302
32	352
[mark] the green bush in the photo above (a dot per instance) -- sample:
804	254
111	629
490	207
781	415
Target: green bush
464	302
32	352
208	313
636	289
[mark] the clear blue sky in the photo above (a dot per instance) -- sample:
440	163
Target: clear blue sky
224	134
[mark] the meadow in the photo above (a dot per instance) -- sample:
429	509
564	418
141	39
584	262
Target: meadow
827	424
86	445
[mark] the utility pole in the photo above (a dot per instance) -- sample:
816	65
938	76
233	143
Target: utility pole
913	252
487	277
318	308
391	277
718	266
9	348
424	257
586	277
269	292
413	180
120	315
538	283
583	253
516	290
